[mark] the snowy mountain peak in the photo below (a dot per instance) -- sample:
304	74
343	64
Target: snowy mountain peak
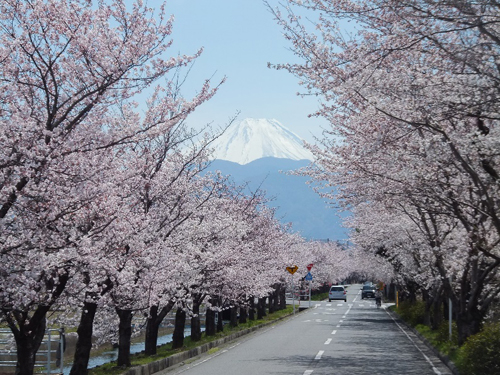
253	139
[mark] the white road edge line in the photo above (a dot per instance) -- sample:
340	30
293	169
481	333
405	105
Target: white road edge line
208	359
320	353
436	371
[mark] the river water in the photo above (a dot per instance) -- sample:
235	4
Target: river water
112	355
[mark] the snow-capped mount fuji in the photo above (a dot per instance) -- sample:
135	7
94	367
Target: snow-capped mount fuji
254	139
254	153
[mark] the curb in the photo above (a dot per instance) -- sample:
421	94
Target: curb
162	364
442	357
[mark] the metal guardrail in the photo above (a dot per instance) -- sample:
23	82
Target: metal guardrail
300	294
49	357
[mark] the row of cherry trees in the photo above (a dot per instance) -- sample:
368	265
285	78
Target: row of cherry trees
106	209
410	89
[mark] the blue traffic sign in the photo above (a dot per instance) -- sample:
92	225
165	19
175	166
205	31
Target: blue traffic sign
309	277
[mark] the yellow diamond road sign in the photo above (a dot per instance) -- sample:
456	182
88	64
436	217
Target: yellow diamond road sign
292	270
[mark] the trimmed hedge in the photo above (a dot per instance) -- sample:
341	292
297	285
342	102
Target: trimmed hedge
480	354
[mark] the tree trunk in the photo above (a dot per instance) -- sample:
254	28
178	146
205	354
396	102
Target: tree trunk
180	324
195	319
261	308
210	322
243	315
411	292
29	332
220	323
276	305
234	316
467	327
151	336
428	305
282	298
468	324
84	342
270	302
251	308
27	344
468	304
153	325
436	316
124	337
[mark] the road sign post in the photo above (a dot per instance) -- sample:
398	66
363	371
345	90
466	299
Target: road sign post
309	294
309	278
450	315
292	270
309	266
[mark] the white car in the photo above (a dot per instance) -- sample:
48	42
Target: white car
337	292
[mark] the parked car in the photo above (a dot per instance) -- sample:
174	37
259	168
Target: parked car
337	292
368	291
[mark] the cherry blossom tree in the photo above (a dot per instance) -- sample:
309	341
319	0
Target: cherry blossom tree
411	96
163	194
70	73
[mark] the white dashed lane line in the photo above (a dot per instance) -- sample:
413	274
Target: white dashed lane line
328	341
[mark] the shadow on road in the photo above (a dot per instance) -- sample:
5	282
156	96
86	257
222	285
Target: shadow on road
362	364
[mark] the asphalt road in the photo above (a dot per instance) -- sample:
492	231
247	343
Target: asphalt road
353	338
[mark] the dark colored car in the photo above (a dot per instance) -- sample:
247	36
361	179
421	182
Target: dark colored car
368	291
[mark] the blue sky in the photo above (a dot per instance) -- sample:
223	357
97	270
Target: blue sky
239	38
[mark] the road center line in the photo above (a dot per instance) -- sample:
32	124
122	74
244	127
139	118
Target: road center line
308	372
334	332
320	353
328	341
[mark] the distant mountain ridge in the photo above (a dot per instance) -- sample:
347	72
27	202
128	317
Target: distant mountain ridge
254	139
293	199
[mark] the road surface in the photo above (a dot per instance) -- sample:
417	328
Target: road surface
329	338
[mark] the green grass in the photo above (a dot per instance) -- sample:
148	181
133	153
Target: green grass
319	297
166	350
435	338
